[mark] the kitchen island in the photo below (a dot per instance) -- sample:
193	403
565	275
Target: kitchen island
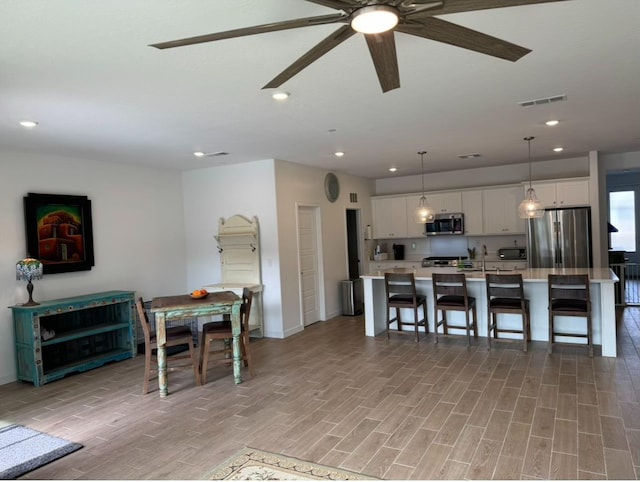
535	289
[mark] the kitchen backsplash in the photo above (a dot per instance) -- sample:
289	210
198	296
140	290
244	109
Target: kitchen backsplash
416	249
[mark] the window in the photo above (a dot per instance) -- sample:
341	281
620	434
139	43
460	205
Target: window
623	216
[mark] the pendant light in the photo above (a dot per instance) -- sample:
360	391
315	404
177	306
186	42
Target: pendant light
530	207
423	213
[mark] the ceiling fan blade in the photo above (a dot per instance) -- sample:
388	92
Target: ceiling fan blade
332	41
442	31
337	4
382	47
457	6
242	32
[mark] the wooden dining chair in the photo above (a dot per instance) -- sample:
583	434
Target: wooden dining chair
401	294
176	336
221	332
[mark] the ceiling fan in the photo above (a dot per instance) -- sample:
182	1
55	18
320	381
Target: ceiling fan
413	17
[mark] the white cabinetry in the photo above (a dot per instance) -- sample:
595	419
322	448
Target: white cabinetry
389	217
473	212
559	194
445	202
501	211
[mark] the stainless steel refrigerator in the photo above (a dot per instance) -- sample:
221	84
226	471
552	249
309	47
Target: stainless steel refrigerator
560	239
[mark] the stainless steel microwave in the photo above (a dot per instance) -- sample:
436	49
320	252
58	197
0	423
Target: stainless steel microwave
446	224
512	253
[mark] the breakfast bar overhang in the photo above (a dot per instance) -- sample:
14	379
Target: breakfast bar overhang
602	282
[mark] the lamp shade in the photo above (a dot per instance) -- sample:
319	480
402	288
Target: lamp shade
423	213
28	269
530	207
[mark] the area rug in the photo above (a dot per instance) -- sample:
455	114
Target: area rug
23	449
252	464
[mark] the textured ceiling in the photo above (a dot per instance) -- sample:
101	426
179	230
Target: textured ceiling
83	69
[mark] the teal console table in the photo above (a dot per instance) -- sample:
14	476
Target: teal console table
90	330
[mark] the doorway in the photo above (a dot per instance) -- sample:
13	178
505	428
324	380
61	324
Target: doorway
353	289
308	262
353	244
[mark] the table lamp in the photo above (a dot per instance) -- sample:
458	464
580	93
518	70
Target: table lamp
29	269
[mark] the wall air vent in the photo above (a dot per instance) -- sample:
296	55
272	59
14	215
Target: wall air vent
353	197
546	100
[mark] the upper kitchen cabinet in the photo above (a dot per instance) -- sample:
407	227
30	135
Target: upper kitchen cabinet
389	217
564	193
445	202
414	230
501	211
472	208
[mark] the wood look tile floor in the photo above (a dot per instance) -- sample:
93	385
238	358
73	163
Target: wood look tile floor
390	409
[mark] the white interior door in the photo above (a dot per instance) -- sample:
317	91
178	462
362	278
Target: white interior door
308	262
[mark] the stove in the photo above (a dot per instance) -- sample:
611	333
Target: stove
435	261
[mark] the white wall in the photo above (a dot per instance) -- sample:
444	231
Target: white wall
137	232
484	176
621	161
302	185
221	192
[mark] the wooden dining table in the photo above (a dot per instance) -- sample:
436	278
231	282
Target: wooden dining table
168	308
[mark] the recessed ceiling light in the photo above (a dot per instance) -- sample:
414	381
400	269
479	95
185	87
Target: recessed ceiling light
28	123
393	169
558	149
552	123
280	95
339	154
198	154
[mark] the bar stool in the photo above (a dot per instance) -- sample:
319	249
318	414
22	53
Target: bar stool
505	294
450	294
569	296
401	294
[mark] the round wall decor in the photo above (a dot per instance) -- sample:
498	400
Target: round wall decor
331	187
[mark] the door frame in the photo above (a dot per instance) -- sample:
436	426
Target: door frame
320	269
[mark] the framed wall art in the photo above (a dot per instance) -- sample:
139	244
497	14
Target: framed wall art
59	231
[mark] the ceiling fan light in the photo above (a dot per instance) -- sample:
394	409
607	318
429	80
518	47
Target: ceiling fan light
374	19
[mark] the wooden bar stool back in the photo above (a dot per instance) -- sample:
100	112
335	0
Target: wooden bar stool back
569	296
505	294
176	336
401	294
450	294
221	331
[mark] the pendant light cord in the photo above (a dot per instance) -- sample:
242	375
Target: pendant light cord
529	139
422	153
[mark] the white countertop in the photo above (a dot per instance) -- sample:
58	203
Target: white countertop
596	275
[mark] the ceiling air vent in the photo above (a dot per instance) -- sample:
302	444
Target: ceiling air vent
546	100
216	154
470	156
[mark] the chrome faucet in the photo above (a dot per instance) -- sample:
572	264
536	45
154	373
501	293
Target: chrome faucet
484	253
